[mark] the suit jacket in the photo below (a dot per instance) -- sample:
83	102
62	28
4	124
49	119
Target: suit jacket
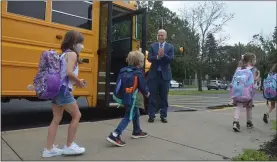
164	61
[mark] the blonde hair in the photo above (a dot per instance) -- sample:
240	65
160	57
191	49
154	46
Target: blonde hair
135	58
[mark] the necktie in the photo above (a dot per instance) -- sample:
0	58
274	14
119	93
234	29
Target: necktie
161	45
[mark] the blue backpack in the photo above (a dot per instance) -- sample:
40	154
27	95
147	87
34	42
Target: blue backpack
270	87
126	89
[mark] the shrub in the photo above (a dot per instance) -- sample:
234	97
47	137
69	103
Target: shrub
251	155
270	148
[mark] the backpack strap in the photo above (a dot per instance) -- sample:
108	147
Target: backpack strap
135	92
66	78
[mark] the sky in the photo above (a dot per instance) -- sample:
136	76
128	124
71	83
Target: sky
251	17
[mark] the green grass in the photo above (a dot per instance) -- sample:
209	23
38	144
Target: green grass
251	155
274	125
190	86
188	92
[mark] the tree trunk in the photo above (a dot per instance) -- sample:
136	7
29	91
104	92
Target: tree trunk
199	78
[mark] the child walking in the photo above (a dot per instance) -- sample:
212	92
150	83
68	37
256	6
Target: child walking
256	73
130	80
242	89
71	46
270	91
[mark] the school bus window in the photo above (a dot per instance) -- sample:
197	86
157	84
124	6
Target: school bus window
73	13
34	9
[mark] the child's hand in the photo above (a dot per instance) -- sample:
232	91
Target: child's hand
80	83
31	87
148	94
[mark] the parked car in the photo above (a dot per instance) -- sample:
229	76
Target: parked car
217	84
180	85
174	84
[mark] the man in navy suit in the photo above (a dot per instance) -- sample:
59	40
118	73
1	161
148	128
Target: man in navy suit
160	55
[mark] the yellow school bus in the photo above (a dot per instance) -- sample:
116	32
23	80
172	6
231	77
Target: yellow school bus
31	27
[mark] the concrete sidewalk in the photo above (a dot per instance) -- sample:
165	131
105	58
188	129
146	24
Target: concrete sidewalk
199	135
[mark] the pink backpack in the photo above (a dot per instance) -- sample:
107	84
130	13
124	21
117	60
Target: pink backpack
242	86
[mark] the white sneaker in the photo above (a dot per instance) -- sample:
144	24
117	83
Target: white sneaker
73	149
55	151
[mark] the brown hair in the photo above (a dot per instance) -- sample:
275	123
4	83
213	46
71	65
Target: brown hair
240	63
72	38
247	58
274	68
135	58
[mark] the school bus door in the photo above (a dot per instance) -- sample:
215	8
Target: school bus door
114	47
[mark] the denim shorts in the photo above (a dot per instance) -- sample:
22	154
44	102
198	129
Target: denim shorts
63	97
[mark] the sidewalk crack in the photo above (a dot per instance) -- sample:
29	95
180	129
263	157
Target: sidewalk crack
12	149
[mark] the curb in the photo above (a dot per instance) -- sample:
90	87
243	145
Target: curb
185	110
230	106
219	107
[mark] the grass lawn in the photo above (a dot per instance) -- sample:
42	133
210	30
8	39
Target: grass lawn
190	86
186	92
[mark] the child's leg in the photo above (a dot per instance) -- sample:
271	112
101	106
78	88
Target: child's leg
249	115
272	106
236	125
124	122
237	111
137	132
114	137
136	125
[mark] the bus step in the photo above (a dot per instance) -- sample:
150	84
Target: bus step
115	105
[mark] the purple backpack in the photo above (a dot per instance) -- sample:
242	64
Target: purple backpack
48	81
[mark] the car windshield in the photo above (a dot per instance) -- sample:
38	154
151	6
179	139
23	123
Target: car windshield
213	82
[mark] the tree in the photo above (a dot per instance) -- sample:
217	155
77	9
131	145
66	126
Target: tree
210	50
178	31
267	54
207	18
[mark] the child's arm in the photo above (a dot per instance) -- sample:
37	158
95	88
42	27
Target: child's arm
142	86
257	75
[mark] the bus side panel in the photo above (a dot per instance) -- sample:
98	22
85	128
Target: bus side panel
23	40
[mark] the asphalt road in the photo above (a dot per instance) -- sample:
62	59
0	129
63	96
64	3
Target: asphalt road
201	102
19	114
